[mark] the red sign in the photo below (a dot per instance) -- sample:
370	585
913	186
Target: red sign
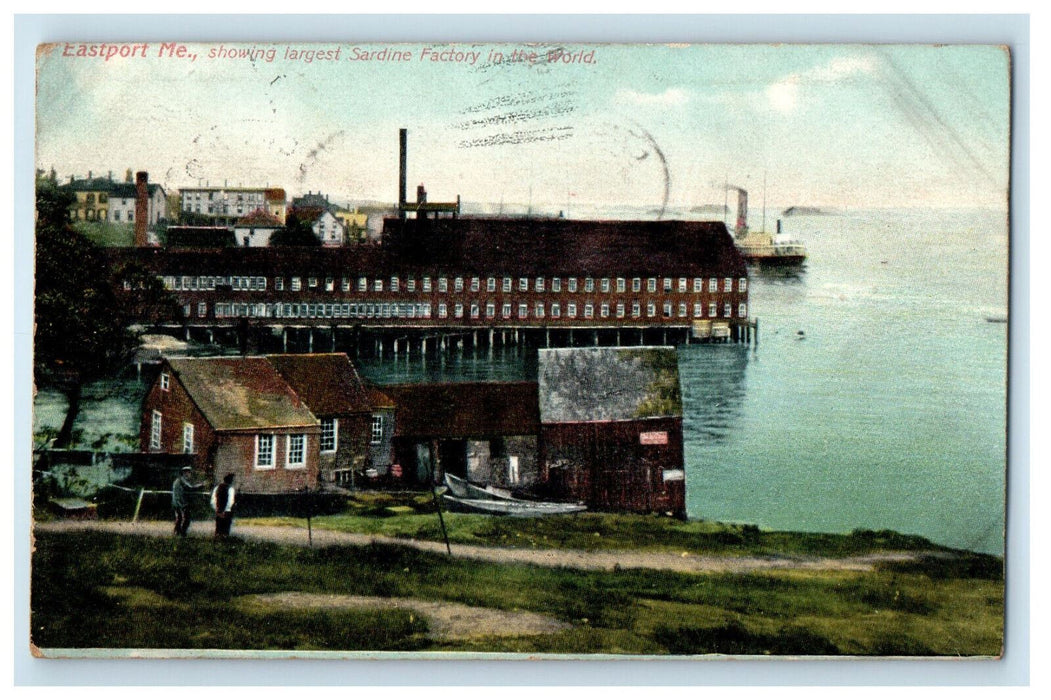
655	438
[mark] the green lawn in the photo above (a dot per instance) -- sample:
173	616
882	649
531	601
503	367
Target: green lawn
413	517
93	589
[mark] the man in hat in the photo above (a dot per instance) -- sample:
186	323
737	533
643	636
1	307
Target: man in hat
180	504
223	503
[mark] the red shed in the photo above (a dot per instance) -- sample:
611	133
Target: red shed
611	428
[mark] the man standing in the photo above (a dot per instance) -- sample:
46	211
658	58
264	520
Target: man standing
180	504
223	503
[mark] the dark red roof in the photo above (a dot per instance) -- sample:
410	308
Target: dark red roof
465	410
560	246
527	247
327	383
259	217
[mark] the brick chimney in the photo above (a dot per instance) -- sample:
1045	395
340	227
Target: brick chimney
142	210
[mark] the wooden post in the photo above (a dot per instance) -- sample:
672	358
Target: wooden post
310	531
138	505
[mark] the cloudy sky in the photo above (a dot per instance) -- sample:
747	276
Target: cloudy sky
832	125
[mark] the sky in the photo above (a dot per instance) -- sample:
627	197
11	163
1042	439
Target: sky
654	126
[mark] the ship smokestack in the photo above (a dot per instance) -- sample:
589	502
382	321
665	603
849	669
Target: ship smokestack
403	139
142	212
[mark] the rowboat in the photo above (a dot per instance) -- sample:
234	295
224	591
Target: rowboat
465	497
515	508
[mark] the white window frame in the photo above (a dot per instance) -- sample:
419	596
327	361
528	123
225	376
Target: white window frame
556	284
376	430
329	425
651	284
713	309
166	381
742	310
272	448
187	438
698	285
290	440
571	285
506	286
156	422
742	284
490	284
713	284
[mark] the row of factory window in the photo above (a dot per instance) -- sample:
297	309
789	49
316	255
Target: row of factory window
506	310
459	284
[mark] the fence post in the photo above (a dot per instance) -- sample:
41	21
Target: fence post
138	504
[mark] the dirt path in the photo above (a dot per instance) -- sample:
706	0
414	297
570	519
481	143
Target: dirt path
607	560
446	620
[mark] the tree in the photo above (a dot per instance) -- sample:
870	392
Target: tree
81	330
295	233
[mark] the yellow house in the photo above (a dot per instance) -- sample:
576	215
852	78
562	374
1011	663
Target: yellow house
92	199
355	222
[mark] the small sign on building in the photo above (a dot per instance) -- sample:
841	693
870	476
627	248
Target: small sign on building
656	437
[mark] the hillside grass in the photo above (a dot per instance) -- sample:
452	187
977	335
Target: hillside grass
414	517
95	589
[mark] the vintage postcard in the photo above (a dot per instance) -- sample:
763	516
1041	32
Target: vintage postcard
524	349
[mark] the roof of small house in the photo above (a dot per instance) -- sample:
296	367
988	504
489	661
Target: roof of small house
259	217
604	384
327	383
377	399
465	409
241	393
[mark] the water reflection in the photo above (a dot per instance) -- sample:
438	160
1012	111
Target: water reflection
778	274
713	388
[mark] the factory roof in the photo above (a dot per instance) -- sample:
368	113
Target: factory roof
540	247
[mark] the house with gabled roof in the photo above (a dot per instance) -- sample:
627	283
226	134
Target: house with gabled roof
352	416
236	415
254	230
329	229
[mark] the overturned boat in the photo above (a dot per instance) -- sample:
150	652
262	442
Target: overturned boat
462	496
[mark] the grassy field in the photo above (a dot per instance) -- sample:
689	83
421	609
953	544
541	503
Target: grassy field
414	517
94	589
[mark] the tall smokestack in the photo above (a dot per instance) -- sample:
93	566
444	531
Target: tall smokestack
142	210
403	138
742	213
